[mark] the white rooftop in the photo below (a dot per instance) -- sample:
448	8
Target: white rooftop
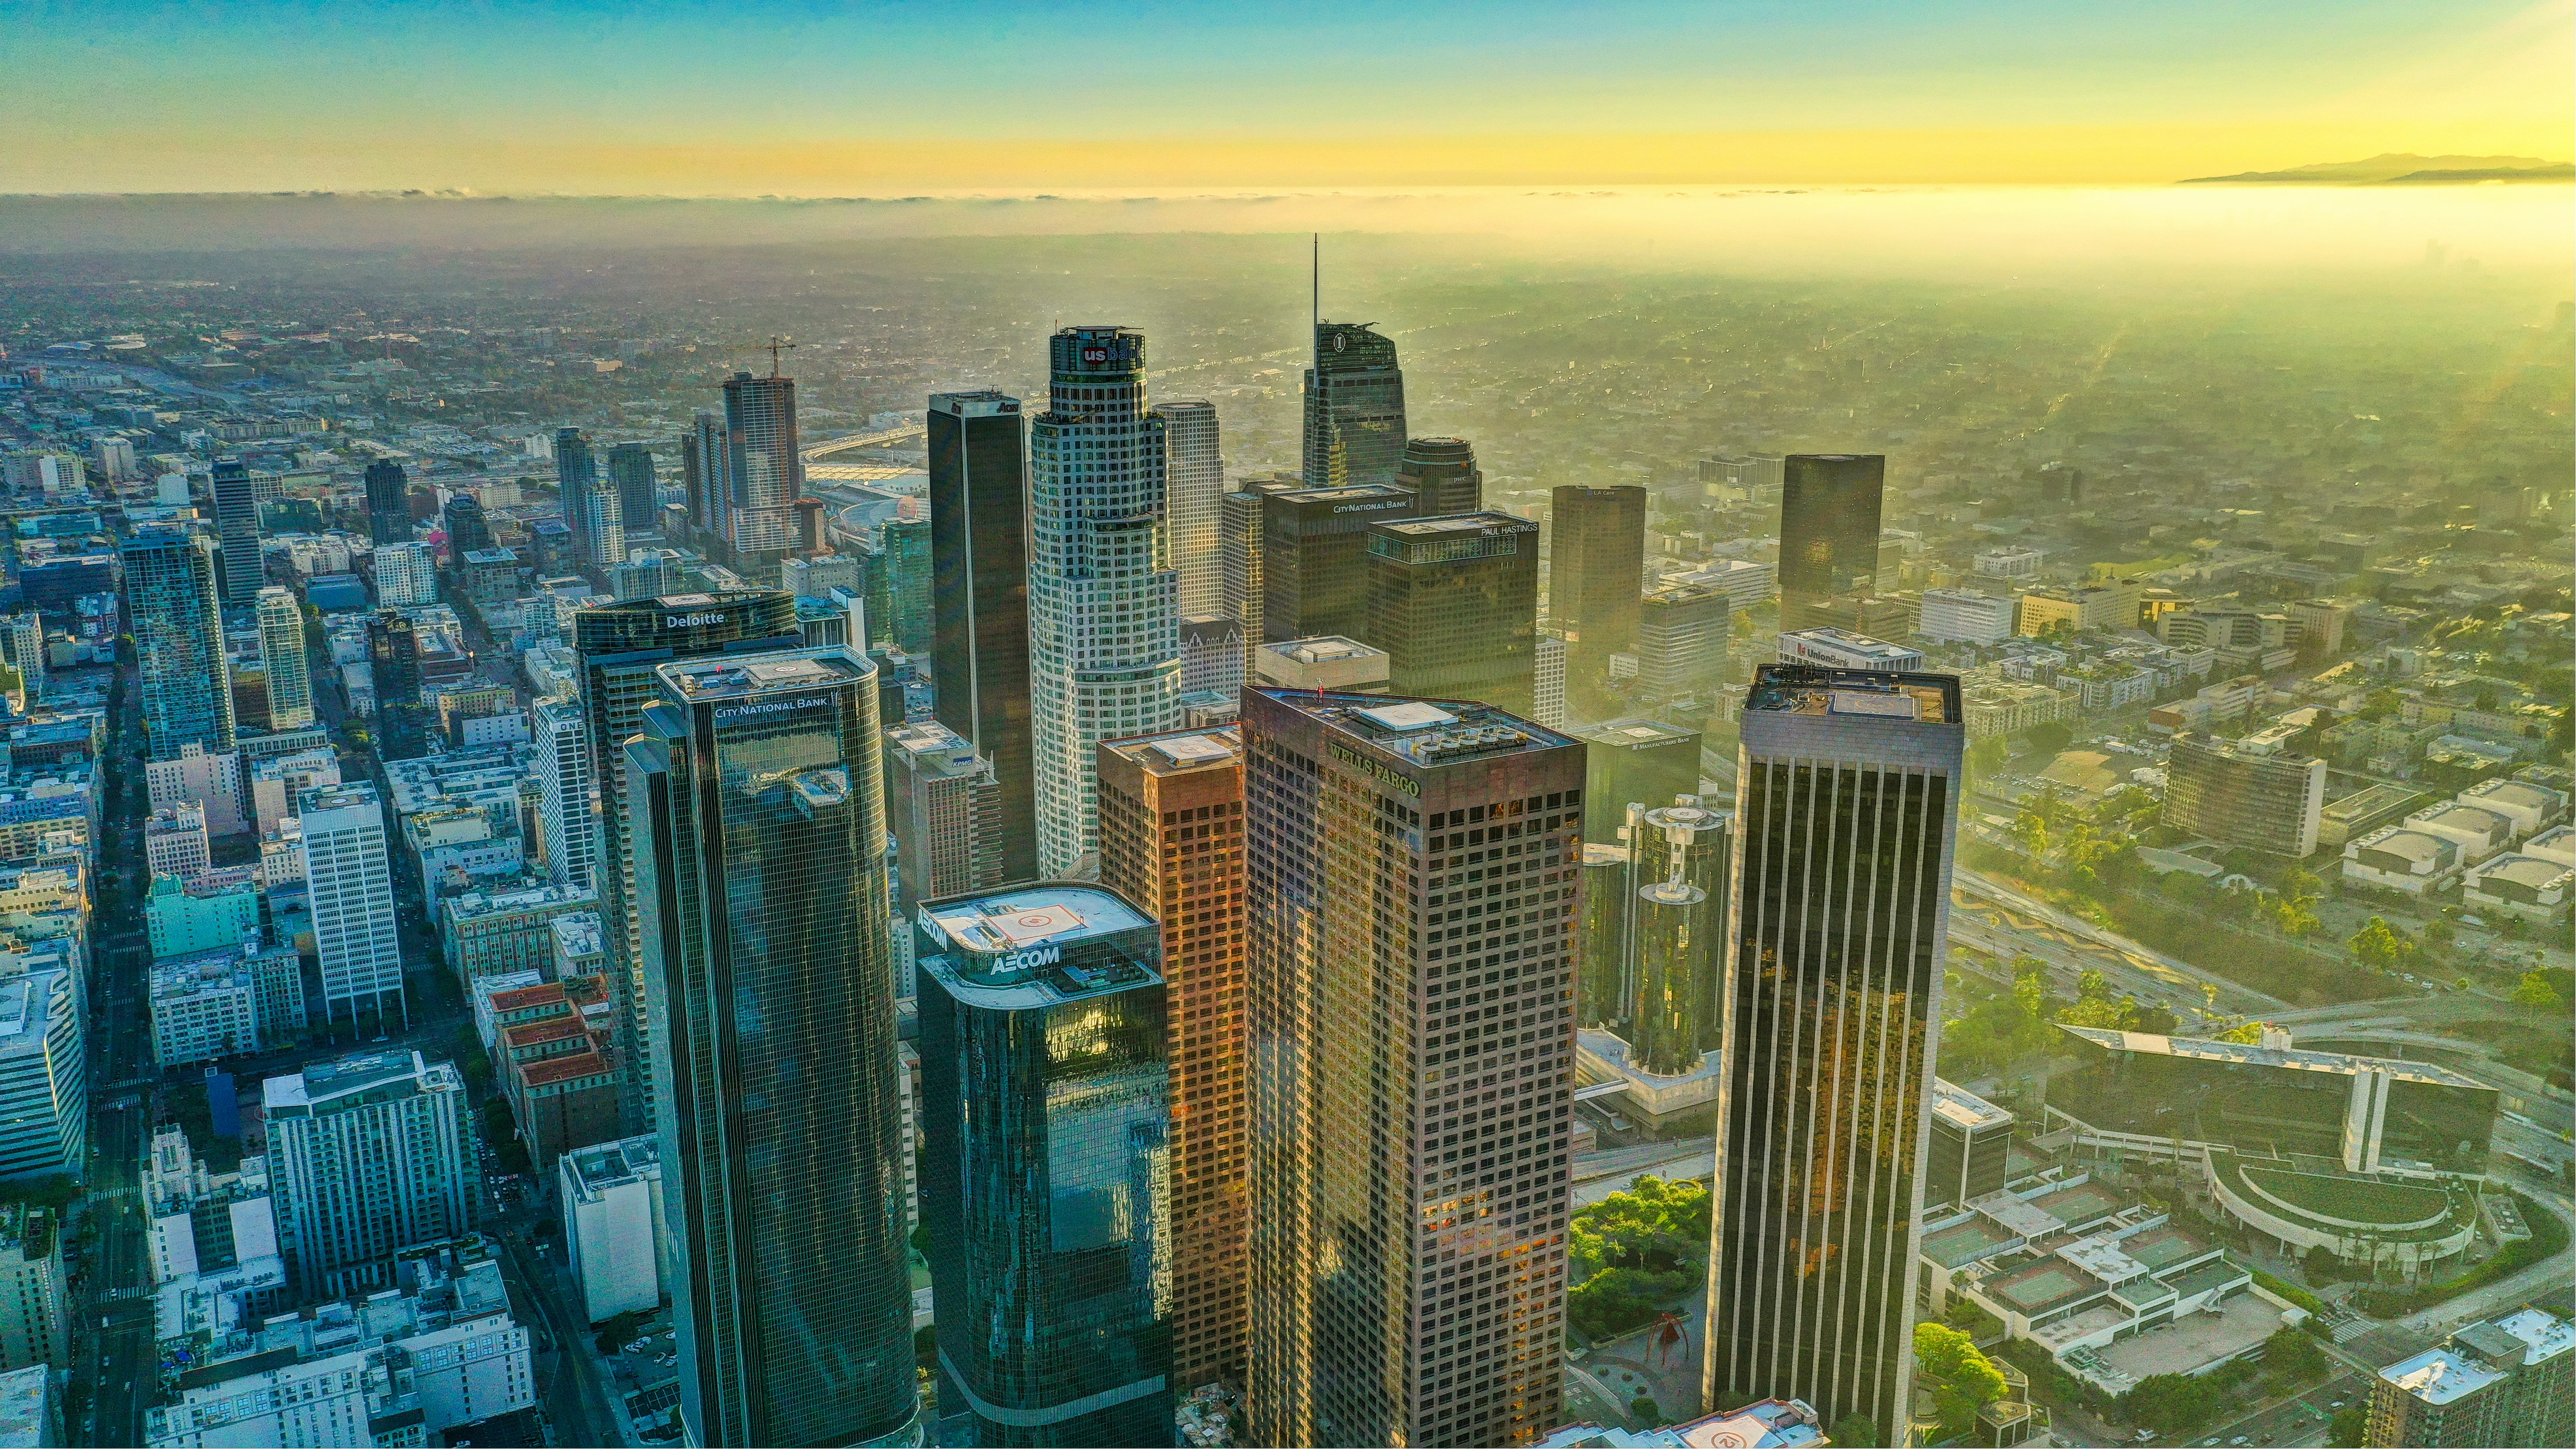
1411	715
2548	1336
2439	1375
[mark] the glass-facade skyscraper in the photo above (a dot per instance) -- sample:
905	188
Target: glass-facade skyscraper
1454	603
1680	948
979	537
703	463
1442	475
1847	801
1194	469
1354	427
639	502
1596	565
1045	1164
388	502
768	960
1314	558
236	490
1829	524
1409	906
761	466
1104	604
906	559
178	628
617	648
576	473
468	531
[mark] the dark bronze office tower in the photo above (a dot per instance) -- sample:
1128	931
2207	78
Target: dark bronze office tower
979	565
1829	512
576	474
1314	558
468	531
1831	1013
703	472
1443	476
1596	565
388	502
639	501
1635	762
617	648
1354	408
1046	1166
1680	951
1409	913
759	851
236	490
1454	603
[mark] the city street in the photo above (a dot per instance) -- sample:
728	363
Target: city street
120	1362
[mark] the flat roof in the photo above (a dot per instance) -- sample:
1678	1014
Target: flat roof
324	1080
1423	733
1965	1109
1018	918
2046	1285
611	1163
1322	648
2287	1058
2439	1375
733	678
2546	1335
1865	693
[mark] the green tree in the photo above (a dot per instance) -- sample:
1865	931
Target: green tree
2050	737
2349	1428
1966	1379
2291	1353
2172	1403
2534	991
1856	1431
2382	947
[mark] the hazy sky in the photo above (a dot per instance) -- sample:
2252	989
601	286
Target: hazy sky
874	99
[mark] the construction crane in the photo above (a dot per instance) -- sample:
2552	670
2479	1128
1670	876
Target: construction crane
774	346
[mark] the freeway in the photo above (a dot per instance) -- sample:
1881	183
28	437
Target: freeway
2048	920
883	437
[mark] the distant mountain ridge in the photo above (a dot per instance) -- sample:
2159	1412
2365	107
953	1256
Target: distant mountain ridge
2400	168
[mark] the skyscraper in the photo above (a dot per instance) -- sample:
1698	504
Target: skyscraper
618	647
576	472
1847	800
979	656
1635	762
1454	603
1680	850
1829	519
1442	476
639	501
388	502
178	641
1171	840
281	650
466	528
1596	563
603	528
761	465
1681	641
1314	558
1239	521
1045	1123
355	937
565	804
366	1156
236	491
909	583
1104	604
1195	483
704	459
759	851
1354	408
943	808
1410	1014
393	656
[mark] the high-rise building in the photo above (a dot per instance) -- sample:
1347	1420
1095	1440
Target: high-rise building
565	803
1829	525
393	654
1354	430
2261	792
704	459
979	655
630	470
1677	937
236	490
1171	840
1239	522
576	474
1595	568
1681	641
1194	483
761	464
290	668
618	647
1454	603
468	531
908	577
2500	1382
388	502
1104	604
1847	801
1211	654
355	935
44	1078
1971	1152
1604	994
1410	1011
1314	558
759	850
170	603
366	1156
1635	762
944	809
1442	475
1043	1041
406	575
603	528
22	647
1547	676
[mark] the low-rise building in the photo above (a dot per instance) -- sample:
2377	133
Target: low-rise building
2529	886
2530	807
2398	859
174	840
2479	833
493	933
208	911
1832	648
204	1008
1770	1424
615	1239
1966	616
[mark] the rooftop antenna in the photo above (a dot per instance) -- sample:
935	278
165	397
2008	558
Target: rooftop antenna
1315	307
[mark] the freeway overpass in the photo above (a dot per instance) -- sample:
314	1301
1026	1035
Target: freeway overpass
882	438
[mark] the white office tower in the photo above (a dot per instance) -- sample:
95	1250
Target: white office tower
563	780
44	1078
406	575
290	669
366	1156
1104	603
616	1240
1547	682
353	905
22	647
1194	490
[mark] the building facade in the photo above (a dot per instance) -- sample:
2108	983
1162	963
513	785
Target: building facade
2256	792
388	502
759	841
1409	898
979	538
1847	798
1315	564
1194	480
1829	526
171	605
367	1156
1454	603
44	1078
1354	425
351	887
236	491
1682	636
1171	841
1442	476
762	468
1596	563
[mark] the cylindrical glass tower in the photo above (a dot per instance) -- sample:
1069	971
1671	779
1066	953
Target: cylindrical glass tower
1602	970
1676	933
